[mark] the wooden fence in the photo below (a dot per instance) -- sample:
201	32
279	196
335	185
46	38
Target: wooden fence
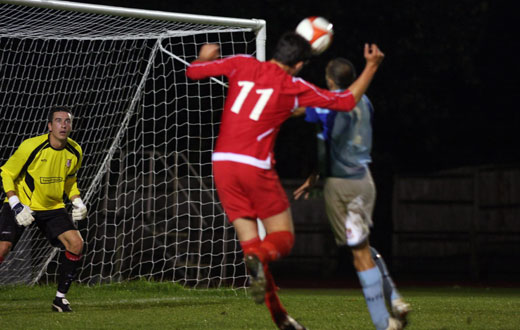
460	223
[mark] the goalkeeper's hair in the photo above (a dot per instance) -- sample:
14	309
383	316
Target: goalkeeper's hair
341	71
54	109
291	49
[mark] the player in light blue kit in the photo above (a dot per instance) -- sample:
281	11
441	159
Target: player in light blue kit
344	147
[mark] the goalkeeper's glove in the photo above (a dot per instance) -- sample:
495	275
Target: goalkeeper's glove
79	210
22	213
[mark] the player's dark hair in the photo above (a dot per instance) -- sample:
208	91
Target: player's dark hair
341	71
54	109
291	49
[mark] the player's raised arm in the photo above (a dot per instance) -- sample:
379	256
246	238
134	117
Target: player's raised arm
205	65
208	52
373	56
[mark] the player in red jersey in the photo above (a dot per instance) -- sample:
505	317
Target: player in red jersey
261	96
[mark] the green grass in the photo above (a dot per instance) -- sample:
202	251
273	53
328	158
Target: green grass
148	305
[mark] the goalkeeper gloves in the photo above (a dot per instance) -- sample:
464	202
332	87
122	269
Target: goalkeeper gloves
79	210
22	213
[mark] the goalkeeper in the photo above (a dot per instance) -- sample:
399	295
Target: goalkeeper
35	179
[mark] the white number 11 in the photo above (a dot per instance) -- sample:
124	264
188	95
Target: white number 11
247	86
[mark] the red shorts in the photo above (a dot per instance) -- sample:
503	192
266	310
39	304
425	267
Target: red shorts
248	192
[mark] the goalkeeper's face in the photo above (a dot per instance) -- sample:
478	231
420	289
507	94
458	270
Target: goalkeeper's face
61	126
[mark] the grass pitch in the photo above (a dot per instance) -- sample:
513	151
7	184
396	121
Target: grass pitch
151	305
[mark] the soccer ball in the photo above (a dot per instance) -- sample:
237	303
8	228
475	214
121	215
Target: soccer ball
318	31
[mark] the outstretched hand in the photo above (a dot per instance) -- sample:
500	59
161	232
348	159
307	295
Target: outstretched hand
373	54
209	52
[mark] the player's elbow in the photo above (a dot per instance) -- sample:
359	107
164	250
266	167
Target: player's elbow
193	73
6	181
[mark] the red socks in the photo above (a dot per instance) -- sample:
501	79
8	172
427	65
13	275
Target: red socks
251	246
1	259
274	246
272	301
277	244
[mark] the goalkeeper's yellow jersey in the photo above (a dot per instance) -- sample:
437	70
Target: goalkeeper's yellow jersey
40	174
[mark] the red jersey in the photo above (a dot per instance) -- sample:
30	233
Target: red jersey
260	98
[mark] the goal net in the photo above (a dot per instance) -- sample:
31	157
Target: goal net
147	134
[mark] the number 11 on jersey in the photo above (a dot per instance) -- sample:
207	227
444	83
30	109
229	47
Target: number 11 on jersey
246	87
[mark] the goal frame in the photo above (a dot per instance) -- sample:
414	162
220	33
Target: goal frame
257	26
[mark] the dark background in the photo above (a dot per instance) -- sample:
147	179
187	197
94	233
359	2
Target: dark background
444	96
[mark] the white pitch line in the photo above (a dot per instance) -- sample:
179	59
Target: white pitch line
126	301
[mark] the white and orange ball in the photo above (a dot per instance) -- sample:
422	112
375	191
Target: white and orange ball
318	31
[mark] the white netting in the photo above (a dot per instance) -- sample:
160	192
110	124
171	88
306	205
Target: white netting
147	133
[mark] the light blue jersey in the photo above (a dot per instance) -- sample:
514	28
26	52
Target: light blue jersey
347	137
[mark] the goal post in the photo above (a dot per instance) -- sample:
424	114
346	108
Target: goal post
147	133
258	26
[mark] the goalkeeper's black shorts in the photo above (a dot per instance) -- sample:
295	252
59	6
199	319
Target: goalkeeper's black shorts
10	231
51	223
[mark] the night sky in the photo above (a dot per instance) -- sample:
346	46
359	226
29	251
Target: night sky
443	96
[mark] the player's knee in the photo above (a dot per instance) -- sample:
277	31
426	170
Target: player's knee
356	229
251	246
288	239
76	246
5	247
282	241
362	257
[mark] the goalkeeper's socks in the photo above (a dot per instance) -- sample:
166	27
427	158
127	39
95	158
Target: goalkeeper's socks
69	263
371	282
1	259
389	288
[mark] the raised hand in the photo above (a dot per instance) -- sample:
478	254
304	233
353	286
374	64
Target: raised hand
373	54
209	52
